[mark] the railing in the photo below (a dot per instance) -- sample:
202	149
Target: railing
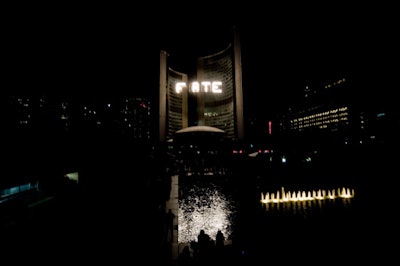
9	193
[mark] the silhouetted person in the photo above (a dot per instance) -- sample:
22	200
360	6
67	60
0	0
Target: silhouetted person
185	258
219	239
204	242
169	220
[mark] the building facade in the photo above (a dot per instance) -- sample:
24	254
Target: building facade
211	97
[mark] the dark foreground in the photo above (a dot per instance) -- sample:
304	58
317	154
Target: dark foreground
119	224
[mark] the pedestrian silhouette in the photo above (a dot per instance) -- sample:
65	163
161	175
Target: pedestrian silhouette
204	242
219	239
185	258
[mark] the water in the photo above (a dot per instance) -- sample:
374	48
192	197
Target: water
258	217
205	206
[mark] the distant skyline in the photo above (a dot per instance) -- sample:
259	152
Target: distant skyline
281	51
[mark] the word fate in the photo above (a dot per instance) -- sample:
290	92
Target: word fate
203	86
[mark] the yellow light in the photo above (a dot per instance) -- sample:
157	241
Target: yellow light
344	193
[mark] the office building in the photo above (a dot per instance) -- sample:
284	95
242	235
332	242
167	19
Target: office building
211	97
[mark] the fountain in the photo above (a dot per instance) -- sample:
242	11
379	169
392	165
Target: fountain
320	194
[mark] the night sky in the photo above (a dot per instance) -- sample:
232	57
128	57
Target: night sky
90	51
103	50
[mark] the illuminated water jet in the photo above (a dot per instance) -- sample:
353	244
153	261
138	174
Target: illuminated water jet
204	208
321	194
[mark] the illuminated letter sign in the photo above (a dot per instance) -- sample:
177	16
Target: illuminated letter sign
195	86
215	87
179	86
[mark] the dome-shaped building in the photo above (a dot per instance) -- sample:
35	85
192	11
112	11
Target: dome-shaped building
200	149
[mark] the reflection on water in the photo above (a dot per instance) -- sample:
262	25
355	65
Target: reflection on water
207	207
305	208
306	202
